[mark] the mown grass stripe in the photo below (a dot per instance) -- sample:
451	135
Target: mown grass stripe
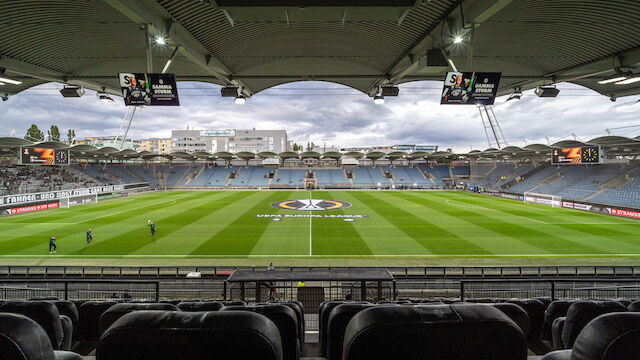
432	237
334	236
241	236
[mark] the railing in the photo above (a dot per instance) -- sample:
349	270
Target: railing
450	272
129	290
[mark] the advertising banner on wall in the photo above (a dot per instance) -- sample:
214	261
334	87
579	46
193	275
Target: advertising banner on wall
29	208
470	88
61	194
149	89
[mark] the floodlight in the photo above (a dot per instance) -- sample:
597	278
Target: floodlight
240	100
515	96
160	40
612	80
457	40
390	90
72	91
104	97
229	91
546	91
623	82
378	99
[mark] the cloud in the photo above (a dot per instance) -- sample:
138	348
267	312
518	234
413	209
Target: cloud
329	113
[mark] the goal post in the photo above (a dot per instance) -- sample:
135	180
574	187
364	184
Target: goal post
63	203
80	200
544	199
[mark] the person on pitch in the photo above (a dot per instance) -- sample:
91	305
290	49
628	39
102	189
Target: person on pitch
89	236
52	245
152	227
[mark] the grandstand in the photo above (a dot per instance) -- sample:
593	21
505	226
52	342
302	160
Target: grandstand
225	244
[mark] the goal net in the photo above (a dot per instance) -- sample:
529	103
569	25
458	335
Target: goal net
64	202
79	200
552	200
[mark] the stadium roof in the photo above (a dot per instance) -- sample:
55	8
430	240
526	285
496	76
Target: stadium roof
361	44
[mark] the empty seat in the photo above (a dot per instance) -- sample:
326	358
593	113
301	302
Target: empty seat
23	339
515	313
200	306
338	320
45	313
90	312
556	309
296	306
119	310
579	315
323	319
457	331
634	306
175	335
535	309
285	320
613	336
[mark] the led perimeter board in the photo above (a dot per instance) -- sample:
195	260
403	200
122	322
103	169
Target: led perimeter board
35	155
577	155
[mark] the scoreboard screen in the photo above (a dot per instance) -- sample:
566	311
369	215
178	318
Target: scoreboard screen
43	156
577	155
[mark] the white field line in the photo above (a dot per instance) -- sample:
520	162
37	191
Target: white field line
324	256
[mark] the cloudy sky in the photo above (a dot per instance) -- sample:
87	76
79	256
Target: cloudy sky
333	114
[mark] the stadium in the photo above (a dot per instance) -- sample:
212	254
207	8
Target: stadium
224	243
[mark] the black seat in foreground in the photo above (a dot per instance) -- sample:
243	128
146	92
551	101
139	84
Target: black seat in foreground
23	339
194	306
579	315
515	313
45	313
119	310
338	320
613	336
634	306
435	332
535	309
299	309
285	320
556	309
323	319
90	312
177	335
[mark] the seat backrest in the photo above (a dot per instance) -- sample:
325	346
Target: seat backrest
338	320
44	313
613	336
170	335
439	332
119	310
535	309
299	310
90	312
515	313
556	309
634	306
579	315
323	319
23	339
200	306
285	320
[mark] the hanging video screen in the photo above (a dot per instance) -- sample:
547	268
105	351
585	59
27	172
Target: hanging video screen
140	89
470	88
577	155
43	156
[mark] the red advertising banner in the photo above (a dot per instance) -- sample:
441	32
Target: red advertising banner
31	208
627	213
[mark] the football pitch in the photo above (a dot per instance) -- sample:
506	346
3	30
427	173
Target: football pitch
381	228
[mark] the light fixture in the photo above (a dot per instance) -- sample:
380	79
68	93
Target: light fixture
104	97
612	80
229	91
72	91
452	64
240	100
7	80
623	82
160	40
546	91
390	90
457	40
1	83
166	66
378	99
515	96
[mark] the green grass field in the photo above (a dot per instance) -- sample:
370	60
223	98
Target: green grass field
402	228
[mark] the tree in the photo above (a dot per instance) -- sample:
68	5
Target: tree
54	133
297	147
34	134
71	135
